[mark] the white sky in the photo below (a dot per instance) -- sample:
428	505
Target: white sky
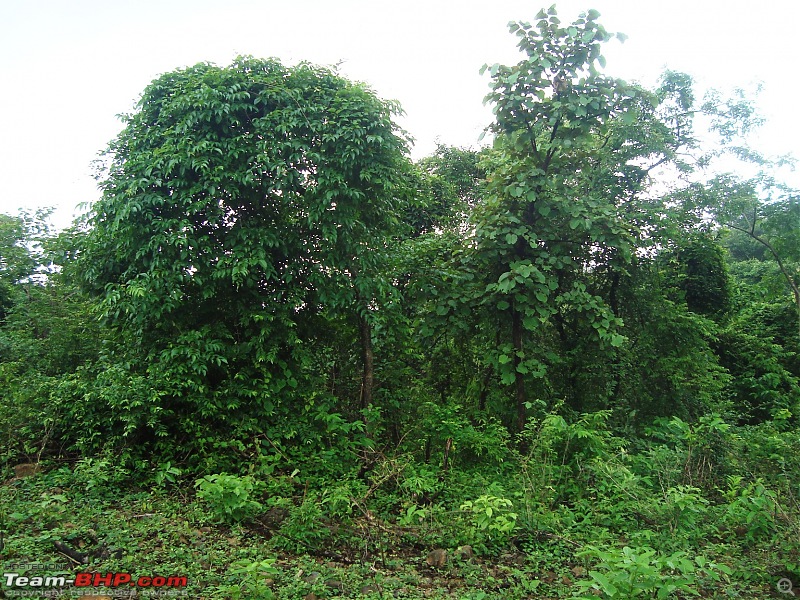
67	67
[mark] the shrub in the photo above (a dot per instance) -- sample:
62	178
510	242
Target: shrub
230	497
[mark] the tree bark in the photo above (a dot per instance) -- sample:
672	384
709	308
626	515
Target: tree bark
519	381
368	358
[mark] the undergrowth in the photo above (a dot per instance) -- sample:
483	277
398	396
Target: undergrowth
580	513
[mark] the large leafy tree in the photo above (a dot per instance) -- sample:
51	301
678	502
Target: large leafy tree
242	208
574	150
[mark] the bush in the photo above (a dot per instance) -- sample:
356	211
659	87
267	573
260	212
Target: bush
230	497
641	572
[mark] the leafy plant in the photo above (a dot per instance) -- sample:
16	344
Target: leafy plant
101	476
751	508
413	515
166	473
305	528
642	572
683	508
230	497
492	518
253	578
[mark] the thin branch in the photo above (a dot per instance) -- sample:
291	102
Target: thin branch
533	137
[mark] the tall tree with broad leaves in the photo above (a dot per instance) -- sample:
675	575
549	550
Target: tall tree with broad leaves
573	154
241	207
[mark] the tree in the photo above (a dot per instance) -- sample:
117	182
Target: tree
573	154
243	206
47	334
450	183
21	253
768	215
698	267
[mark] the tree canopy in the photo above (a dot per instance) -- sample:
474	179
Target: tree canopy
240	205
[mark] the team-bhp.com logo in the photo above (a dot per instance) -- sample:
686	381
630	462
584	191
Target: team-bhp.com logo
111	580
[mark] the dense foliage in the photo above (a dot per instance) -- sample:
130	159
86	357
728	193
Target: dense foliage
574	352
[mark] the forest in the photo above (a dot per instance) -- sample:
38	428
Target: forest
279	358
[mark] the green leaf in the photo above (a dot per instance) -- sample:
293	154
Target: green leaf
605	584
507	378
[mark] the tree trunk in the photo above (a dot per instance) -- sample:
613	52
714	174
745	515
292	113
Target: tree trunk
368	358
797	302
487	377
519	381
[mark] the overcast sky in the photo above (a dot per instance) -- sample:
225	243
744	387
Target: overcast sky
68	67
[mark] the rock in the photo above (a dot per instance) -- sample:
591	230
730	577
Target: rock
275	516
514	558
312	577
465	552
334	584
370	589
26	470
437	558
